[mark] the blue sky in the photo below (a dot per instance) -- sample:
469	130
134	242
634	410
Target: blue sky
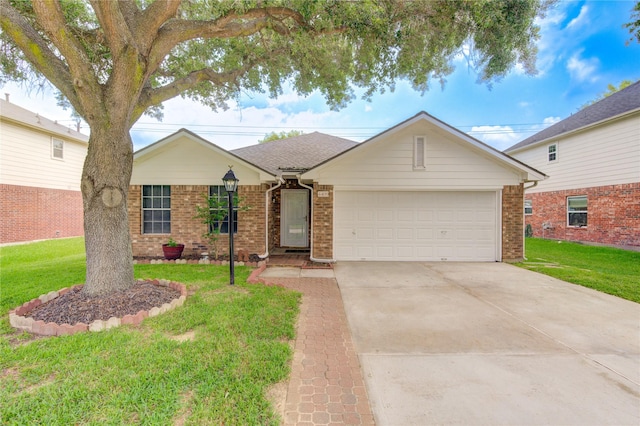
583	48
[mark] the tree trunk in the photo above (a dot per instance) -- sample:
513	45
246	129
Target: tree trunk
105	185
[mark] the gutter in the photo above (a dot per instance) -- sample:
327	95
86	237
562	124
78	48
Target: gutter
266	217
313	259
535	183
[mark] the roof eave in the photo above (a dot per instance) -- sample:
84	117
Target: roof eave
571	132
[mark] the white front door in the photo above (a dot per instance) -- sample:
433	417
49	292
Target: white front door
294	228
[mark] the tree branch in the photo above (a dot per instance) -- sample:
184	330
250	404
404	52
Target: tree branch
149	22
176	31
116	31
85	85
36	50
151	97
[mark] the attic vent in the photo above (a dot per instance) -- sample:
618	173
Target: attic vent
419	152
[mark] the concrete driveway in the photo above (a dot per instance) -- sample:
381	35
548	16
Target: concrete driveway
490	343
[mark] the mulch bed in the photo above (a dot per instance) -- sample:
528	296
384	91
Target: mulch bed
75	306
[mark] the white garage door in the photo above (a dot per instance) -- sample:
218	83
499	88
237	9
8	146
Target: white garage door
431	226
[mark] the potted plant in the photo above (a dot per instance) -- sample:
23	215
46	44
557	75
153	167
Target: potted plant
172	250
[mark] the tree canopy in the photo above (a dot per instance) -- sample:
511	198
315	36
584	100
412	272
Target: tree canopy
634	24
274	136
116	60
611	89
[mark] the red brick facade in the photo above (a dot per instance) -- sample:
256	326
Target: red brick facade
322	222
31	213
512	223
187	230
251	223
613	215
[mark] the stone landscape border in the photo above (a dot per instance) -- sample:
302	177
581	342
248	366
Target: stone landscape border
18	319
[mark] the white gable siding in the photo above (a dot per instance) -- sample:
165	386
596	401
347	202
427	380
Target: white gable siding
605	155
26	160
388	163
187	162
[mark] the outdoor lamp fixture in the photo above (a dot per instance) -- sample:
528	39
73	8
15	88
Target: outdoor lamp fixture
230	185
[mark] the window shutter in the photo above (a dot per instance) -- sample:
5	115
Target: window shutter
419	152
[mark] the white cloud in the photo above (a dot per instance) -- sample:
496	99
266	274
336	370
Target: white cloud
368	108
581	20
549	121
286	99
582	69
499	137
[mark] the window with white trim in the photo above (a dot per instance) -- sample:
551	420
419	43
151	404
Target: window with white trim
528	207
577	211
57	149
552	153
156	209
419	152
218	193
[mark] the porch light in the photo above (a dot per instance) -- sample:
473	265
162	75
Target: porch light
230	181
230	185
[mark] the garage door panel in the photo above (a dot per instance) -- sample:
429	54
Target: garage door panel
405	234
415	226
384	234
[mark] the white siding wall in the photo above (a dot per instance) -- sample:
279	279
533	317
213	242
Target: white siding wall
605	155
187	162
25	159
388	164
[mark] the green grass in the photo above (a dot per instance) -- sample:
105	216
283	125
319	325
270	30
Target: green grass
605	269
139	374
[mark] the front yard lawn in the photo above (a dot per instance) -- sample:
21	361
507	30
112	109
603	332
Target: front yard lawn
605	269
233	346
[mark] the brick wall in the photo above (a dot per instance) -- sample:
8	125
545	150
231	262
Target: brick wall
512	223
31	213
613	215
187	230
322	223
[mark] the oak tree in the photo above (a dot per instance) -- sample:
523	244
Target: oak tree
114	61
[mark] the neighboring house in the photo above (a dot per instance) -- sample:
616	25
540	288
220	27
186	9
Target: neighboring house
593	160
40	170
421	190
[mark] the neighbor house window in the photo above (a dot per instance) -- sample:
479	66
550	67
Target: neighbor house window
57	149
221	198
577	211
156	209
419	152
528	207
552	152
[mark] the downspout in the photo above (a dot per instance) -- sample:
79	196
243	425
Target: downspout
524	217
266	218
313	259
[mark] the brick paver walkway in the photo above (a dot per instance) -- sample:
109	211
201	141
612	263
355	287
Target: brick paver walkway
326	385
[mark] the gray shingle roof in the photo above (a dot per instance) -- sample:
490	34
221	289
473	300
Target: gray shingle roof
627	99
34	120
297	153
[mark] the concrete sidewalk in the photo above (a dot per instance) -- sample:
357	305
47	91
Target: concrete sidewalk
326	385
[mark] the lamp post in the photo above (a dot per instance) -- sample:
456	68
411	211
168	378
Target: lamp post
230	185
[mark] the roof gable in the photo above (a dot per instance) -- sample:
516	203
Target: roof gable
161	147
467	141
623	102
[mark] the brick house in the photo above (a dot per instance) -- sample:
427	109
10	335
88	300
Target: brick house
421	190
593	160
40	170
